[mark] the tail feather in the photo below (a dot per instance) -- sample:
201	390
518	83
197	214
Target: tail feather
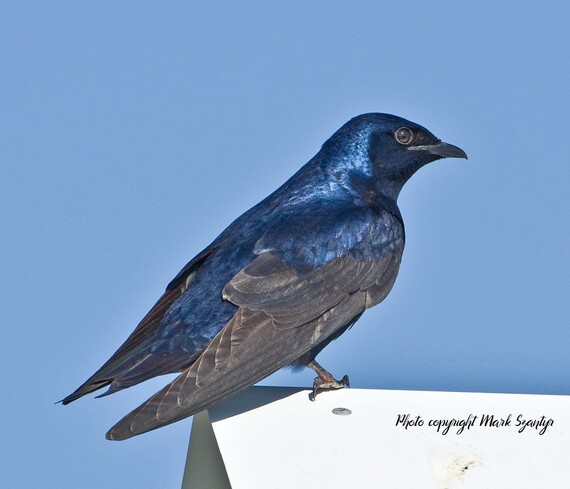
132	371
132	362
84	389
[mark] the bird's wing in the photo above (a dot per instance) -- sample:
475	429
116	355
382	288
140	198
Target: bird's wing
145	330
281	316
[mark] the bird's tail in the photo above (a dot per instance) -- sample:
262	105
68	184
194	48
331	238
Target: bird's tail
132	371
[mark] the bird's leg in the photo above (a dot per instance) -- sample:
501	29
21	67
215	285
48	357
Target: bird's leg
325	380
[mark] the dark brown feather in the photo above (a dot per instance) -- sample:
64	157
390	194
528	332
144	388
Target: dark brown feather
145	330
275	324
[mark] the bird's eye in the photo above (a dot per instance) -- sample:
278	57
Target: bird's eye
404	135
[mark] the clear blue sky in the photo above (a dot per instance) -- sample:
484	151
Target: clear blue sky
132	133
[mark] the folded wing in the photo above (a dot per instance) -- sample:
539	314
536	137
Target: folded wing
282	315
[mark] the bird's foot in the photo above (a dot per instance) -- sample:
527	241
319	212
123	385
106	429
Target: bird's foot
325	381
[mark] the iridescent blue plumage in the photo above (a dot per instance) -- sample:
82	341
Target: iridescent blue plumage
282	281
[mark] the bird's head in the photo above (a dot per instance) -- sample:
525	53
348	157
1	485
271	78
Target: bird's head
387	149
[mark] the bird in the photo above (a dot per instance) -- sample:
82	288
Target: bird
281	282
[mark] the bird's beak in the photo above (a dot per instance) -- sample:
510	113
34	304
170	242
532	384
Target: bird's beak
443	150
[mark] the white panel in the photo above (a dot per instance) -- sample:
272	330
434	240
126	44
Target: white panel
275	437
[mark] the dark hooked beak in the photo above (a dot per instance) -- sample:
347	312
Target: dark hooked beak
443	150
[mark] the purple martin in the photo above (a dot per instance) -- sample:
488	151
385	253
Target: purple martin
282	281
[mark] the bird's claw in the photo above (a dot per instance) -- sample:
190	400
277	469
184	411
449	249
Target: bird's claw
320	384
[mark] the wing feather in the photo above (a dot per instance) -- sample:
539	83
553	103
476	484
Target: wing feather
267	284
281	316
148	326
124	362
264	350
